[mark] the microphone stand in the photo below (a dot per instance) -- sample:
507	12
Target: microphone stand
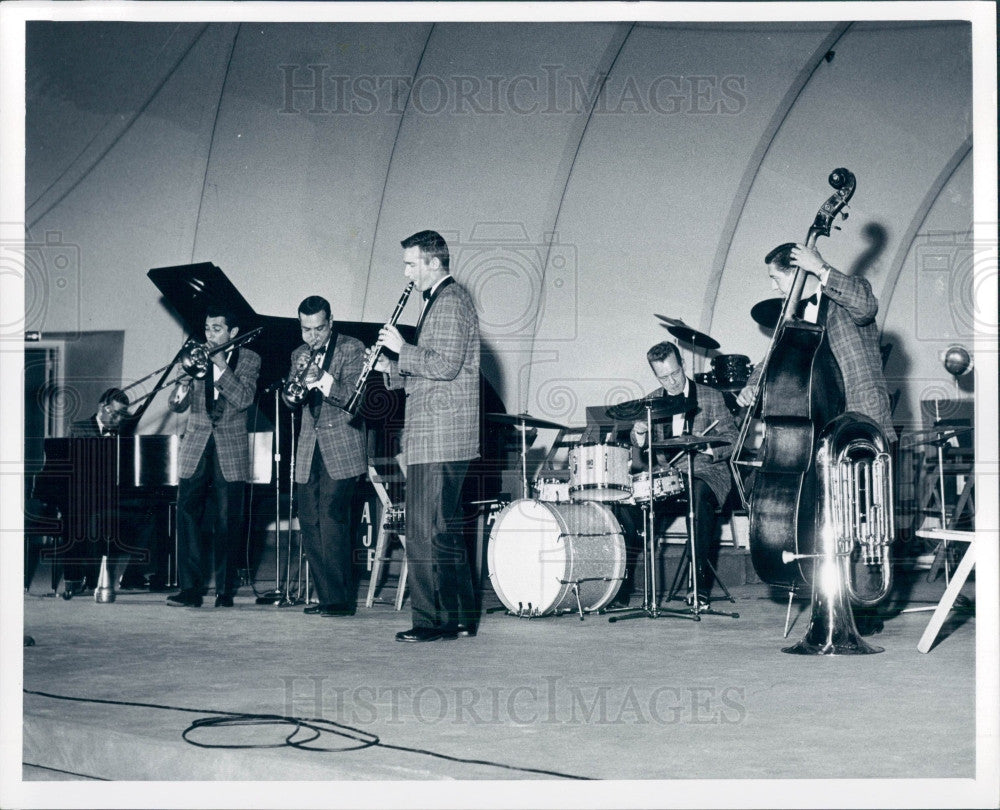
279	597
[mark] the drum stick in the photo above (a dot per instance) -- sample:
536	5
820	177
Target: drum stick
682	452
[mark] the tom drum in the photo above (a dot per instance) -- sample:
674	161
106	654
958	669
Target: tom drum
600	472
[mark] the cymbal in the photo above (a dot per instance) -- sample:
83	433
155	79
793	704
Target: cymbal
688	335
636	409
522	420
937	436
671	321
688	442
766	312
938	431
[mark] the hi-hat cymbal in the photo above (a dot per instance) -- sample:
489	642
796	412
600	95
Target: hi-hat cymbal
522	420
688	442
636	409
688	335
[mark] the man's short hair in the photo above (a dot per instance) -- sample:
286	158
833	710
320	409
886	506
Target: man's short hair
431	245
662	350
314	304
224	312
114	395
780	258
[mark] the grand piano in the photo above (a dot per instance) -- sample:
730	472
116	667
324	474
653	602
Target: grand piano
139	467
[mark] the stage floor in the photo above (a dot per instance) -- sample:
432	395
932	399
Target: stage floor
112	690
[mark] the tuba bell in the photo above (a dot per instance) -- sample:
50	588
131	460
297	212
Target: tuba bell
855	529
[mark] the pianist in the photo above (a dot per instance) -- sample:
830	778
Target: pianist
101	526
121	526
112	408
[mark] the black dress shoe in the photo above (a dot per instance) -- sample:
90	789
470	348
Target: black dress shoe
466	630
312	610
185	599
223	600
339	609
426	634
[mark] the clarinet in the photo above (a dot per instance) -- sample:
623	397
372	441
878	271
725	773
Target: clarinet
359	387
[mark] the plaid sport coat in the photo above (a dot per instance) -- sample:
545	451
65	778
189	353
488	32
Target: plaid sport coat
854	341
236	389
440	375
341	439
712	469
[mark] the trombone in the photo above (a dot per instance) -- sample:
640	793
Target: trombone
194	358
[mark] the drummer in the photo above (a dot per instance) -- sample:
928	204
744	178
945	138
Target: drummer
698	410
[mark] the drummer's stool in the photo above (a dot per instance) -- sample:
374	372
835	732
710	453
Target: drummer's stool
392	523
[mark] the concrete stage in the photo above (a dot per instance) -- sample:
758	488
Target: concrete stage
554	698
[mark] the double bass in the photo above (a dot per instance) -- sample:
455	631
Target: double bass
801	390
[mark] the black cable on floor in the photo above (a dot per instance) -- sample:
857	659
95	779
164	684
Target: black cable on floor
316	725
68	773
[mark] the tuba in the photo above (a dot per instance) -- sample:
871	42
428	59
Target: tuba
855	527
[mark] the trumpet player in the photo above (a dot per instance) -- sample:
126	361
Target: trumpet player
214	461
441	436
330	455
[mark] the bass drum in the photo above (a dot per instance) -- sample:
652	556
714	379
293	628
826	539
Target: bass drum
538	550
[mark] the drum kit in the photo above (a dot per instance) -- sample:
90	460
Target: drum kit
563	550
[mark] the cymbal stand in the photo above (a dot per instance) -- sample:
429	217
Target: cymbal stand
651	602
522	428
696	609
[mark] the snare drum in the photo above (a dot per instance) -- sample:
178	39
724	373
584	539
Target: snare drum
599	472
666	484
538	551
552	490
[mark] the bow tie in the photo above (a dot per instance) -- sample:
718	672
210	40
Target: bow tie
426	295
673	399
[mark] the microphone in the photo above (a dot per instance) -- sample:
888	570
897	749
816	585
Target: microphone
275	386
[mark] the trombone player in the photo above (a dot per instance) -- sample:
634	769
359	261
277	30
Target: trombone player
214	460
330	455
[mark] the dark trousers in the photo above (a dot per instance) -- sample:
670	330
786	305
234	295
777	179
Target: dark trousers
206	483
439	578
325	522
706	520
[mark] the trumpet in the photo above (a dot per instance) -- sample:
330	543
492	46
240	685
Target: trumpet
295	390
359	387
